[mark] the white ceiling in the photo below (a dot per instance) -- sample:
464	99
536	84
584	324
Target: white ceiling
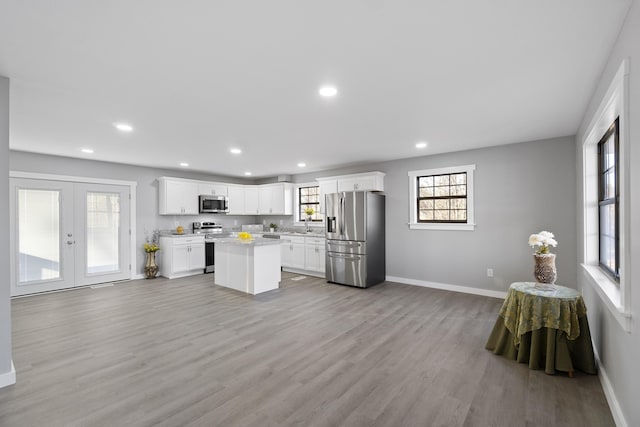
198	77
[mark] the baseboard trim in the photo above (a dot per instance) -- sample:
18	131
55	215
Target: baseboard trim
303	272
448	287
8	378
610	395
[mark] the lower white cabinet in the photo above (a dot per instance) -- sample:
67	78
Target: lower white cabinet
304	254
293	252
182	256
314	254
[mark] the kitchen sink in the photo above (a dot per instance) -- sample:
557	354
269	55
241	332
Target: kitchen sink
271	236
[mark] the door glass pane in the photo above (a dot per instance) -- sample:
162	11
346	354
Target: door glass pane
103	226
38	235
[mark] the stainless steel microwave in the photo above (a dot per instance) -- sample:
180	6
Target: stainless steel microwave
214	204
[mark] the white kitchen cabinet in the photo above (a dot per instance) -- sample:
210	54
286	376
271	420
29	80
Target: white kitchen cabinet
212	188
276	199
243	200
286	254
236	199
251	200
304	255
177	196
370	181
327	186
293	252
314	254
182	256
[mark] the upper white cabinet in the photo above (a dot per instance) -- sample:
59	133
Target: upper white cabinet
370	181
251	200
243	200
177	196
267	199
212	189
327	186
276	199
236	199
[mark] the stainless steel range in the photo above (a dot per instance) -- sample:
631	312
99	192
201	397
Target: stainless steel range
211	230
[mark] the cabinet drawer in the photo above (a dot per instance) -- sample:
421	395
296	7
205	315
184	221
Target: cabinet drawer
187	240
320	241
293	239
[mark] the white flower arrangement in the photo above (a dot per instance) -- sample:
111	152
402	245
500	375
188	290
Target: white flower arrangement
544	239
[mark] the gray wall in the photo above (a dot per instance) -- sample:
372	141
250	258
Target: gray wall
5	302
147	190
619	351
520	189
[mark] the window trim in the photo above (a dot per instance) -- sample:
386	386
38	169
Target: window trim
616	296
614	130
469	225
296	205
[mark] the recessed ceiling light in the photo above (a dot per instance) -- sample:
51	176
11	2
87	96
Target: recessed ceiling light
184	164
248	173
302	164
236	151
328	91
87	150
124	127
421	144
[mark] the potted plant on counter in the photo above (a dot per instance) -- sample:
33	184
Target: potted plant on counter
272	227
309	212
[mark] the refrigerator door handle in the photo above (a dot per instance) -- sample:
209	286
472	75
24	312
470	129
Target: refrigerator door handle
356	258
342	215
347	244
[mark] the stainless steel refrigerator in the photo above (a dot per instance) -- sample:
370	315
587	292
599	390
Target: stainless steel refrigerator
355	238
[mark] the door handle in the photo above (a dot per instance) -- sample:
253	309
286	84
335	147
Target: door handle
341	216
70	242
356	258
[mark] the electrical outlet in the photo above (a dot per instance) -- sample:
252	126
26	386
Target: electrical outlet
235	222
489	272
281	222
176	223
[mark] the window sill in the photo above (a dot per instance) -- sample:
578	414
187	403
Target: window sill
609	293
459	227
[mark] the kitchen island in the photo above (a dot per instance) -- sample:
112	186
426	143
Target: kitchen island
251	266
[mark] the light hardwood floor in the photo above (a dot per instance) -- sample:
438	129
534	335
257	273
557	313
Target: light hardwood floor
185	352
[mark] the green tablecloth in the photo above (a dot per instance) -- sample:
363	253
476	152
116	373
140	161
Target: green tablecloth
544	328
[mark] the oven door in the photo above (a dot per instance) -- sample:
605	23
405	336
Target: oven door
210	259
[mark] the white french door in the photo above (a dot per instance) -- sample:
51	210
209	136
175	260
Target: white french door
68	234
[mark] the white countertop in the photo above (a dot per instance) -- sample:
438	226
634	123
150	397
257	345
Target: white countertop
291	233
181	235
258	241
